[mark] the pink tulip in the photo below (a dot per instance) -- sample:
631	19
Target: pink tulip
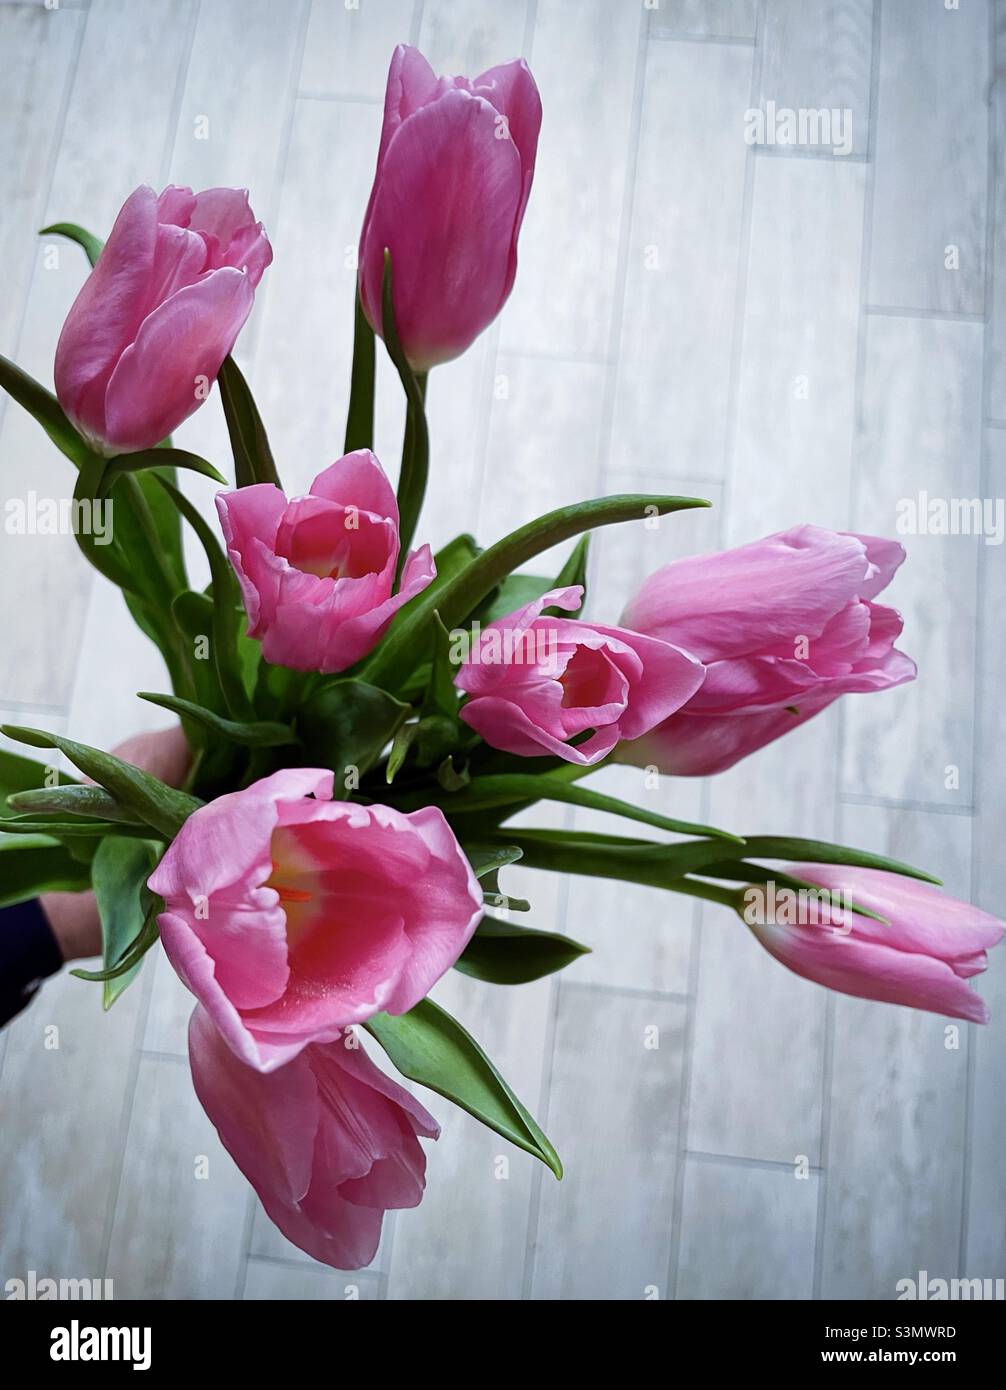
454	172
784	625
924	958
290	918
158	314
534	683
318	573
328	1142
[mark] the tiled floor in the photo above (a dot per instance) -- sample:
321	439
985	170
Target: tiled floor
795	334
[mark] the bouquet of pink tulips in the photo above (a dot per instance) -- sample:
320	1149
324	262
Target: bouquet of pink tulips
364	718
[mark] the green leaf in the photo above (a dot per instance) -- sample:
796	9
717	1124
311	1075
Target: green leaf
400	746
253	460
505	954
92	246
226	615
119	872
74	800
153	801
157	458
441	693
19	775
36	864
128	963
416	446
360	420
431	1048
520	589
662	866
76	828
395	657
254	734
481	793
43	406
489	859
348	723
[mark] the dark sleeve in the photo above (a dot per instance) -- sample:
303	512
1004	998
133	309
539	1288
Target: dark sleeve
28	954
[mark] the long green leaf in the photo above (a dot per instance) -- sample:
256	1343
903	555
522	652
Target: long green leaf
461	595
259	733
253	460
505	954
153	801
158	458
661	865
43	406
430	1047
37	865
92	246
19	775
481	793
75	800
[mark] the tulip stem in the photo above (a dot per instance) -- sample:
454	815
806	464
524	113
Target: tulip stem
416	444
360	419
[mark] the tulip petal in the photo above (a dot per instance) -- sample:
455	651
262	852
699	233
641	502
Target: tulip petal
445	204
107	312
179	347
357	480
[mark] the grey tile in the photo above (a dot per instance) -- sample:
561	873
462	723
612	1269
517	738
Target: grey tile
931	155
722	19
604	1231
673	374
895	1158
747	1231
564	296
818	57
920	432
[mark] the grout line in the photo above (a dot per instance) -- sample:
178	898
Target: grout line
153	1055
740	301
865	255
775	1165
613	355
45	193
981	602
664	996
895	803
896	311
678	36
352	98
825	155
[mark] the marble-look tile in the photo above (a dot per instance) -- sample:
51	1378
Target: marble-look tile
613	1115
995	337
920	436
796	394
747	1231
895	1156
177	1181
715	19
929	197
348	47
818	57
275	1281
985	1215
563	300
673	374
469	36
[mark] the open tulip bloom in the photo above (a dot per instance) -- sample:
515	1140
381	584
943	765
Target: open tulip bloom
365	718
